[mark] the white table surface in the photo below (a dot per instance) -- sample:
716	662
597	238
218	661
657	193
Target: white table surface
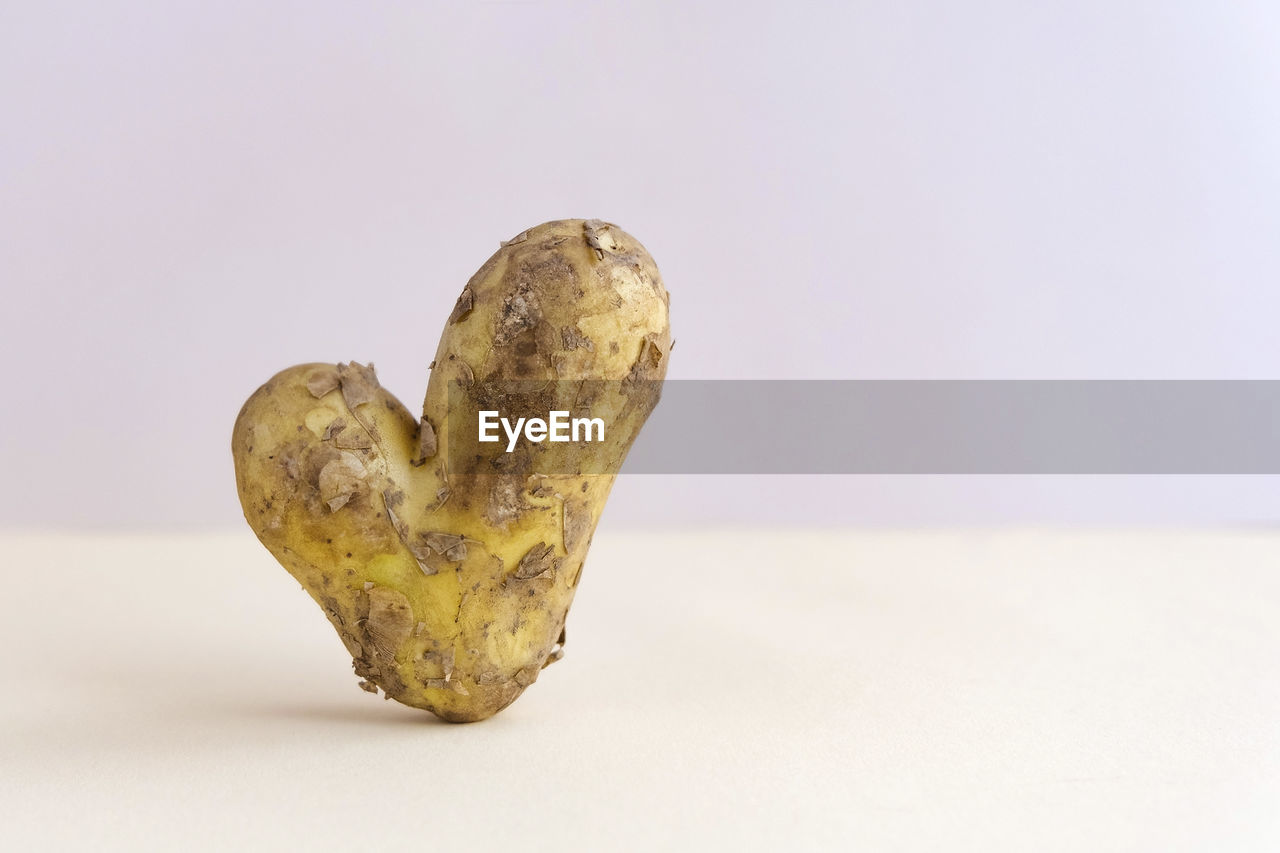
900	690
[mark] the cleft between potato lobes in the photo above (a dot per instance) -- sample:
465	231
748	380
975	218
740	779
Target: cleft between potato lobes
448	574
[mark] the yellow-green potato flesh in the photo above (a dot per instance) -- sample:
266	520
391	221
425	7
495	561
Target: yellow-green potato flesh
448	575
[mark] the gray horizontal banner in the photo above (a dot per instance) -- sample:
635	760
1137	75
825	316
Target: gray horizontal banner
954	427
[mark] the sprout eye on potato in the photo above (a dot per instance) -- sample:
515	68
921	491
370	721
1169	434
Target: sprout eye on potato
448	578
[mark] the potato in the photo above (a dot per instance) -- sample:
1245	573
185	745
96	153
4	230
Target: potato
449	576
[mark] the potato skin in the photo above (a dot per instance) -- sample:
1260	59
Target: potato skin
450	587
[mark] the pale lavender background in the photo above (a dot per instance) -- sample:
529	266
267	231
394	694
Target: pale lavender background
193	195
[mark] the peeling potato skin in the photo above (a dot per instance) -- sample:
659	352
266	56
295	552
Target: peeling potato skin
450	588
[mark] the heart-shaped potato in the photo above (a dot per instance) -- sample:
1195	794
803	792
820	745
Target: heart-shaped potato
448	576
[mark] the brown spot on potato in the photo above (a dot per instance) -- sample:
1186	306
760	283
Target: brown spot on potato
576	524
519	311
504	503
451	546
359	384
571	338
389	623
353	438
341	479
463	306
427	444
322	381
596	233
538	562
